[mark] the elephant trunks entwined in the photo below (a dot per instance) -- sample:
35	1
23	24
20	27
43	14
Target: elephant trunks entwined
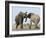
20	17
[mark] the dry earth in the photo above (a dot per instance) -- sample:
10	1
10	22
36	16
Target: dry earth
26	27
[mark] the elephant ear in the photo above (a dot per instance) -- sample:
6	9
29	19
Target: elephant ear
29	15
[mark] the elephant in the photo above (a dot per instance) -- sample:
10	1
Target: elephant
34	18
19	19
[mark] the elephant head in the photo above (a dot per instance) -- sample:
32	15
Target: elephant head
23	15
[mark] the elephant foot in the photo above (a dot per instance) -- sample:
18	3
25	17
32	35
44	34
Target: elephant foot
21	27
16	27
30	27
36	26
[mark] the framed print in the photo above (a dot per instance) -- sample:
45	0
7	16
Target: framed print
24	18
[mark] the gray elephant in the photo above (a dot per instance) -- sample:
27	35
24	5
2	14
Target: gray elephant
34	18
19	19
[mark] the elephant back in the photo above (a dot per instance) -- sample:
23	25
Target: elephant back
35	18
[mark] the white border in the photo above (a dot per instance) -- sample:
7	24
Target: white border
26	31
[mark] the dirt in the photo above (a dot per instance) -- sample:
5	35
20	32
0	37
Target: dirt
26	27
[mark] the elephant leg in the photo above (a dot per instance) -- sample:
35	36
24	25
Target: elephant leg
22	23
36	25
36	22
30	24
21	26
17	26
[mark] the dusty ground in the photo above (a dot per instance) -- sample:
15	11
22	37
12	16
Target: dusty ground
26	27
